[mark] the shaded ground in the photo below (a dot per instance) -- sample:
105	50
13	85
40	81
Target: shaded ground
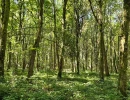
71	87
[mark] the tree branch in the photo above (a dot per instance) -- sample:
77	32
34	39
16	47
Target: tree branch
93	11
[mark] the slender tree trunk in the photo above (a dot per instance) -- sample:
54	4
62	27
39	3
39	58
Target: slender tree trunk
102	64
56	48
63	38
114	62
10	56
103	55
61	64
118	52
72	62
51	55
38	61
106	65
83	59
91	60
3	33
77	24
24	53
86	56
124	49
37	41
78	52
54	57
21	18
92	49
97	51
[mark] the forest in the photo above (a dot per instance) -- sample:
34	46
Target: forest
64	50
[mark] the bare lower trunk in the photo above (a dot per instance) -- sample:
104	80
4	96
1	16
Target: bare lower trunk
3	33
106	65
61	65
10	56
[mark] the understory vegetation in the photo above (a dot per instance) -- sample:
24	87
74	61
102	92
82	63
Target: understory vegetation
46	86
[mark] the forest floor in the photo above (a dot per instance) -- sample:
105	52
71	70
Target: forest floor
46	86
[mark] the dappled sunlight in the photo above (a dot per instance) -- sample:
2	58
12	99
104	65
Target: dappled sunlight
46	86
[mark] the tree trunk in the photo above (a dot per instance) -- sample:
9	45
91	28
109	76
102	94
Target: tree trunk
36	44
63	38
101	68
51	55
38	62
24	47
106	65
3	33
102	47
99	21
96	51
111	64
10	56
91	60
86	57
124	49
61	64
56	48
72	62
114	62
21	17
77	24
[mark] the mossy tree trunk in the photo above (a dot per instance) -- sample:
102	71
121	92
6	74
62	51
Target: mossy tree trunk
124	49
3	33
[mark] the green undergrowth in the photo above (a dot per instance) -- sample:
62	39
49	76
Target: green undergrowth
46	86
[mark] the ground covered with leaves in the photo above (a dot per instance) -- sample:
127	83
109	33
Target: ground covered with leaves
46	86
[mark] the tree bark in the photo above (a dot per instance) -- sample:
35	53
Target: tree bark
63	38
37	41
10	55
56	48
99	20
77	30
21	17
124	49
3	33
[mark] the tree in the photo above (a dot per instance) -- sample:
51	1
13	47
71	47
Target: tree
37	40
99	20
124	48
3	33
77	31
56	53
63	39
